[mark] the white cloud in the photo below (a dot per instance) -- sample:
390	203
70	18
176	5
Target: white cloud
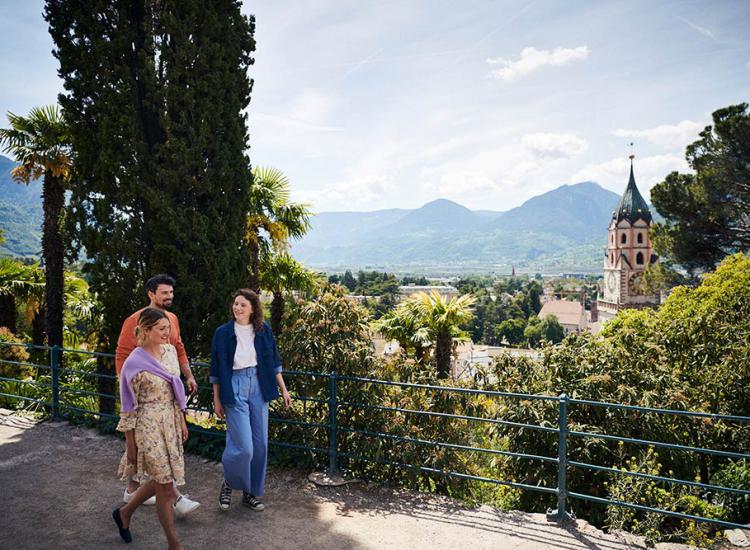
532	59
554	145
360	190
667	135
613	174
703	30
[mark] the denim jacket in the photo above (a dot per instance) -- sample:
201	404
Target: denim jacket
223	346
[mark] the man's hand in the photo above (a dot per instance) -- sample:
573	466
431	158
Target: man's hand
192	385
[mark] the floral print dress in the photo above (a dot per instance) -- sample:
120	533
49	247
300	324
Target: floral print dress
158	427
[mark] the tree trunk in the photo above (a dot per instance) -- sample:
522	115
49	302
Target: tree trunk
53	201
38	328
8	312
277	313
254	279
443	353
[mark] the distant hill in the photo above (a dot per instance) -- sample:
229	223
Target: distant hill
561	230
20	213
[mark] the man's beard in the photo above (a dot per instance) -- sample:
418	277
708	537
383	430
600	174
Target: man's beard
166	304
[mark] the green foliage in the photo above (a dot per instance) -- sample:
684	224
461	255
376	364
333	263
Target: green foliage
41	144
272	220
706	213
654	526
736	475
155	97
689	355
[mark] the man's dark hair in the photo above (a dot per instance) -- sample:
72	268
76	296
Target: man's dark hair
162	279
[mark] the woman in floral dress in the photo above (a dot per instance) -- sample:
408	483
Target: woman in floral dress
152	416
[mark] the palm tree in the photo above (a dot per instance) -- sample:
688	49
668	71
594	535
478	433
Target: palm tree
404	324
22	282
280	273
443	319
40	143
272	220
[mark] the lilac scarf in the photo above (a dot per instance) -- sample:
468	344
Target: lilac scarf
141	360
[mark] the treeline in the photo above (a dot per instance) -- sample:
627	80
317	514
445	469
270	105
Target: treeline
506	312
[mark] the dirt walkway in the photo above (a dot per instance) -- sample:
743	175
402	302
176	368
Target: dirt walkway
58	487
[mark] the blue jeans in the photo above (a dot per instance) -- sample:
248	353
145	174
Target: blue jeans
245	454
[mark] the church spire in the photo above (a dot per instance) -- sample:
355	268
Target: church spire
632	205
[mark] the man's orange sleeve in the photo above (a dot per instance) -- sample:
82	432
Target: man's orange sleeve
126	343
176	340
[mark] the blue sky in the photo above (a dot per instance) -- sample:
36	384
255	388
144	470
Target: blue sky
383	104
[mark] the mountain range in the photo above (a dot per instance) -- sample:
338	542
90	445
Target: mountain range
561	230
21	213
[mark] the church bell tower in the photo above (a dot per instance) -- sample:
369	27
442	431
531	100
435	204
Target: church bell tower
628	255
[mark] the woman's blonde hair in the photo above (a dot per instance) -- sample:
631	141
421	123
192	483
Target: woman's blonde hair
146	321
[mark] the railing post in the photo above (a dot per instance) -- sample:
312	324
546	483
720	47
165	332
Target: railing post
562	462
54	363
333	469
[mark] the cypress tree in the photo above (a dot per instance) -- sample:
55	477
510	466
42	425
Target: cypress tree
155	93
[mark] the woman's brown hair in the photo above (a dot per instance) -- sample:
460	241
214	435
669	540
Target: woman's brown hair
147	320
256	317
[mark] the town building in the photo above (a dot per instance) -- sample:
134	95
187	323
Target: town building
628	255
571	315
446	292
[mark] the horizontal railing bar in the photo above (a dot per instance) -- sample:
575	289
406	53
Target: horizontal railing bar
726	524
310	373
197	429
447	445
23	364
279	420
673	446
24	398
661	411
90	373
87	392
450	389
450	474
87	352
659	478
448	415
95	413
34	383
296	446
24	345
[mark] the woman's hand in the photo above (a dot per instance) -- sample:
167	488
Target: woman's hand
287	399
219	409
132	450
185	432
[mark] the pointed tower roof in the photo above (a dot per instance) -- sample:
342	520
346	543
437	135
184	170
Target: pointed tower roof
632	205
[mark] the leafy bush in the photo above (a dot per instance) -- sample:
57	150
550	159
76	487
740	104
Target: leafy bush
654	526
735	475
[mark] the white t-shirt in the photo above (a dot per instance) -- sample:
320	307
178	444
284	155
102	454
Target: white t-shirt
245	355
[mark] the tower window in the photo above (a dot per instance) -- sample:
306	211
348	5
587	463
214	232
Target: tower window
624	238
640	238
612	259
639	258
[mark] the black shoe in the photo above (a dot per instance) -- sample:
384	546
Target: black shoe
251	502
225	496
124	533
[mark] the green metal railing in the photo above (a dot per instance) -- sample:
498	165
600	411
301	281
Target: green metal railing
55	389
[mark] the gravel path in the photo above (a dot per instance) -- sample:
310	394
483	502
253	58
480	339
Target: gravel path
58	487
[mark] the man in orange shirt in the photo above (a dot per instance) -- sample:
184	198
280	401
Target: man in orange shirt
160	290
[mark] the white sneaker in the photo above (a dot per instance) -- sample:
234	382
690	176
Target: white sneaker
148	502
184	506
